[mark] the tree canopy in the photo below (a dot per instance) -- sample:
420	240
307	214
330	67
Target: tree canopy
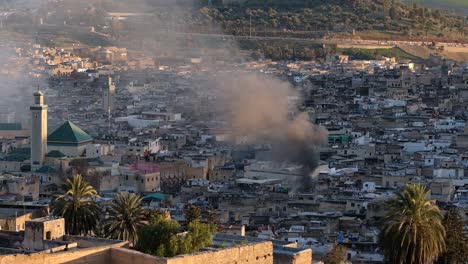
412	231
162	237
77	206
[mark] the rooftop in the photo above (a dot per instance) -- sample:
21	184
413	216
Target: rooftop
69	133
10	126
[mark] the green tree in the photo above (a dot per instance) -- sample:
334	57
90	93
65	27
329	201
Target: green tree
161	237
125	218
412	230
77	206
212	217
199	235
456	238
336	256
192	213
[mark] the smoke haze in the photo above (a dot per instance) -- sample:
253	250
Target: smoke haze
257	107
258	110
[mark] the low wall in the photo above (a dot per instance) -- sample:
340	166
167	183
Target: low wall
124	256
96	255
301	257
257	253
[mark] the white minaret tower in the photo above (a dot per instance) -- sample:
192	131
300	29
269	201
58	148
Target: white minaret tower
38	131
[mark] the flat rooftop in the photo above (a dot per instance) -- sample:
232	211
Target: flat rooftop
14	212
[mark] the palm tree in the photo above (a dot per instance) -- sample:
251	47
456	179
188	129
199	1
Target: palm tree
412	232
125	218
77	206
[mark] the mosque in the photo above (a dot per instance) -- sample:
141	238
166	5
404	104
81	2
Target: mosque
67	141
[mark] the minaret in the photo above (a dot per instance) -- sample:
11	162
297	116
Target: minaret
108	96
38	131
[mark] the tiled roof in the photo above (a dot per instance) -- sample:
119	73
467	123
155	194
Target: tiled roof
55	154
10	126
69	133
46	169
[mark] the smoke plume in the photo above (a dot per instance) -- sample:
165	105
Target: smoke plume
259	110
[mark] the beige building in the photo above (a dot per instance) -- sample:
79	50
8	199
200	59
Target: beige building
238	230
15	188
39	231
14	219
138	182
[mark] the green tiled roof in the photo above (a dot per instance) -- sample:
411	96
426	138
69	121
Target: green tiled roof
19	154
46	169
68	133
55	154
10	126
155	196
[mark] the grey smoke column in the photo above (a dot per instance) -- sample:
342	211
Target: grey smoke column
258	110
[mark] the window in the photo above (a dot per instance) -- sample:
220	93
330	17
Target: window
48	235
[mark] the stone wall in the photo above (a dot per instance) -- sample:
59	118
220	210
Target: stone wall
301	257
258	253
97	255
124	256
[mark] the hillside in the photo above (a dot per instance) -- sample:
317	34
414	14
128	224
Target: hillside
291	23
383	18
365	19
458	6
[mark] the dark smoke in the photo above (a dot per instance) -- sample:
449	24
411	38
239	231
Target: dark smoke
258	110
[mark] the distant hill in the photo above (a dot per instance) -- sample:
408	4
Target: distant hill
379	19
365	19
458	6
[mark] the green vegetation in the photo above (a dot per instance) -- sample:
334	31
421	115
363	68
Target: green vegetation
456	238
77	206
161	237
374	54
287	49
412	232
389	19
446	4
192	213
298	17
125	218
